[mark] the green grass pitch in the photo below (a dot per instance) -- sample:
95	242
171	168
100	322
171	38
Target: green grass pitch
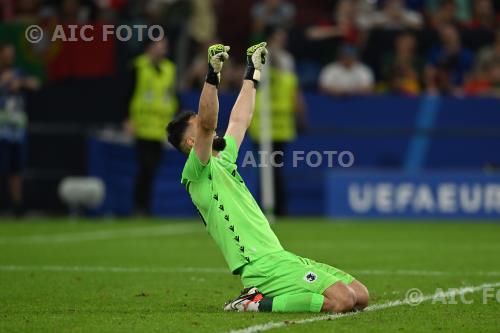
168	276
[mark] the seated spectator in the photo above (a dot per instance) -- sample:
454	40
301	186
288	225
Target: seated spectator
485	79
202	22
401	68
483	15
24	11
393	16
445	12
478	83
479	31
268	14
489	54
343	25
348	76
447	63
495	80
73	12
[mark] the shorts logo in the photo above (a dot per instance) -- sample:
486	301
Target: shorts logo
310	277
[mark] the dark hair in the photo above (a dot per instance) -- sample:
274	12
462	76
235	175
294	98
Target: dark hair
177	127
148	42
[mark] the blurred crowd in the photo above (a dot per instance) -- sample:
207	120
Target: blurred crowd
336	47
339	47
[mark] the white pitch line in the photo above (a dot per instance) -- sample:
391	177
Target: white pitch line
375	307
411	272
111	269
102	235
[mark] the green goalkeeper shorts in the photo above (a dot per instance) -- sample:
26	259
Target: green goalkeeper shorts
286	273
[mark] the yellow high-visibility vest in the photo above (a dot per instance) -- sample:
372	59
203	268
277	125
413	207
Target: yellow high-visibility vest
153	102
283	86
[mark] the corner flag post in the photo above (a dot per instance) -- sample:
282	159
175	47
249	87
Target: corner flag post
266	172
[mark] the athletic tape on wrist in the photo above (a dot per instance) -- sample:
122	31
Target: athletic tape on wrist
254	75
213	78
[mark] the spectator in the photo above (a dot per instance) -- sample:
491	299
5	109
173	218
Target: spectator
287	110
484	16
13	122
25	10
489	54
401	69
152	105
348	76
485	81
202	22
191	58
344	25
73	12
447	63
479	81
7	10
269	14
485	78
480	30
393	16
448	11
494	78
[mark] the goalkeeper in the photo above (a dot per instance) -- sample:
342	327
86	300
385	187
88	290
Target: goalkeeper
274	279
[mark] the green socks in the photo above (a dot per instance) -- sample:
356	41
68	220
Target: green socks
306	302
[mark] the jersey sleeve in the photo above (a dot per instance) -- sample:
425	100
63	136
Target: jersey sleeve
230	153
193	168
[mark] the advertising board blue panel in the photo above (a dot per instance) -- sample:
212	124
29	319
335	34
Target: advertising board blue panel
432	194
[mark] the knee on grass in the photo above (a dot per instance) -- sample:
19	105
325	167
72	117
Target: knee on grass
339	298
362	294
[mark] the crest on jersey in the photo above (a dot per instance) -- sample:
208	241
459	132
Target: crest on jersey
310	277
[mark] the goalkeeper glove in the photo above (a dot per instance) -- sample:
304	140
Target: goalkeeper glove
256	58
217	54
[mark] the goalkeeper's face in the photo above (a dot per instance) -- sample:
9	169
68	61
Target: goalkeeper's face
218	143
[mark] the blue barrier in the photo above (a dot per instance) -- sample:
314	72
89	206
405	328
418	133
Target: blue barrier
379	131
381	194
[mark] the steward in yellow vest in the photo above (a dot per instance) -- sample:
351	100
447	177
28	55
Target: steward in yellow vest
153	102
283	90
152	105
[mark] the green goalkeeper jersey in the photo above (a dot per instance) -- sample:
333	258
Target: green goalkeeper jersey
227	208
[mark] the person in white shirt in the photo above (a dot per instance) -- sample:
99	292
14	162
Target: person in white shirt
348	76
393	16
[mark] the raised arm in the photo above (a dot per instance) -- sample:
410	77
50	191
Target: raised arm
208	108
242	112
